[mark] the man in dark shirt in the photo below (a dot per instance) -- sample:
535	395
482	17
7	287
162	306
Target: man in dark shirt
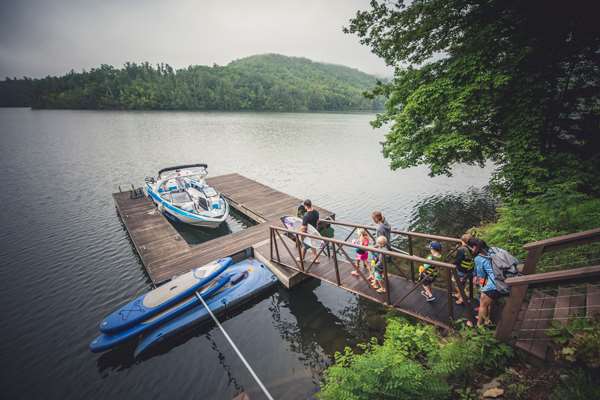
311	217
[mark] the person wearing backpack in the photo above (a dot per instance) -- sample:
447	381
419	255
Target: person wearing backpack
485	278
464	266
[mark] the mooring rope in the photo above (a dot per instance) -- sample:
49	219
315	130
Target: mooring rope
260	384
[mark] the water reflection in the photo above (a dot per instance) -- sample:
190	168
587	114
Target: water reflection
193	235
315	331
68	267
451	214
231	380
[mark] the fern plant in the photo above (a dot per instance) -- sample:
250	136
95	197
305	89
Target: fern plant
413	362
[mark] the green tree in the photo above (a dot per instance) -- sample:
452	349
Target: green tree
514	82
263	82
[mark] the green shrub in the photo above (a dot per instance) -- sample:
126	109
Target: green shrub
580	385
468	353
578	341
417	341
559	211
412	363
381	372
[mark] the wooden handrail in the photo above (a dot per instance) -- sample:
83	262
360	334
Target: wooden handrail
396	232
367	248
572	239
535	250
555	276
293	234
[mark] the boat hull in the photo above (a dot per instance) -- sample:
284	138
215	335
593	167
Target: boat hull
179	215
258	279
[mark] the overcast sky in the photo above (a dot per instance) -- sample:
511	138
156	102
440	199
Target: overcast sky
38	38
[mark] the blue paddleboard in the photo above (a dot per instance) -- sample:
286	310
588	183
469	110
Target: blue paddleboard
107	341
248	278
163	297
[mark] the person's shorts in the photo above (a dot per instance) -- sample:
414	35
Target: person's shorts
378	276
464	276
493	294
427	279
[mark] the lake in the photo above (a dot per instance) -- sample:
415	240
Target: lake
66	260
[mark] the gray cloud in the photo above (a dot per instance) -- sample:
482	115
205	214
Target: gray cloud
38	38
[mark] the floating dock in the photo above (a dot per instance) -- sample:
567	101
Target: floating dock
165	253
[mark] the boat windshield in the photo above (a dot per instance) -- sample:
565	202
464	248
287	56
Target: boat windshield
209	192
196	173
195	178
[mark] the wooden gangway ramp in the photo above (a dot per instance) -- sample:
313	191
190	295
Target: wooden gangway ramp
164	252
403	289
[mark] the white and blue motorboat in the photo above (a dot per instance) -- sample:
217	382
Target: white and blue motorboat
182	194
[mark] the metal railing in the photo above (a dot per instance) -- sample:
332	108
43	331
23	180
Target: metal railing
338	248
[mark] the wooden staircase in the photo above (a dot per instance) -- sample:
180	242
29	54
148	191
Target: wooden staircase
538	299
537	315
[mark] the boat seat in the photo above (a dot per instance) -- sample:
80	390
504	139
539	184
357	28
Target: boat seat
195	193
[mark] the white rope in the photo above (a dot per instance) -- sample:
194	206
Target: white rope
264	389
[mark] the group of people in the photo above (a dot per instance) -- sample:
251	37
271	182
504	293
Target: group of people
471	258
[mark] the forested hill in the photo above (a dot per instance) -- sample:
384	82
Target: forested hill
269	82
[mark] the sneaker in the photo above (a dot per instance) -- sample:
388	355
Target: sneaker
430	299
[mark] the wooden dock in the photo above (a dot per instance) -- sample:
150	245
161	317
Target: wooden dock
164	252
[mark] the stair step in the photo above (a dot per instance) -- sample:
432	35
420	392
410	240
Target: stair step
538	316
592	300
561	310
520	317
569	304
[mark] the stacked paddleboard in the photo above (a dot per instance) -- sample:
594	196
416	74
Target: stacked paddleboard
174	306
294	224
160	304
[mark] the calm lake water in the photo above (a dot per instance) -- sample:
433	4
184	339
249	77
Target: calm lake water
65	260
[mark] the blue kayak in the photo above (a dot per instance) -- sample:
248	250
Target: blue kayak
107	341
163	297
249	277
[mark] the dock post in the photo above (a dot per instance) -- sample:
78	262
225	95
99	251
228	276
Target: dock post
335	263
387	282
412	264
299	246
450	297
271	242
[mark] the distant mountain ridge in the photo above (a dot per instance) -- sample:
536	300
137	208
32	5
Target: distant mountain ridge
266	82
